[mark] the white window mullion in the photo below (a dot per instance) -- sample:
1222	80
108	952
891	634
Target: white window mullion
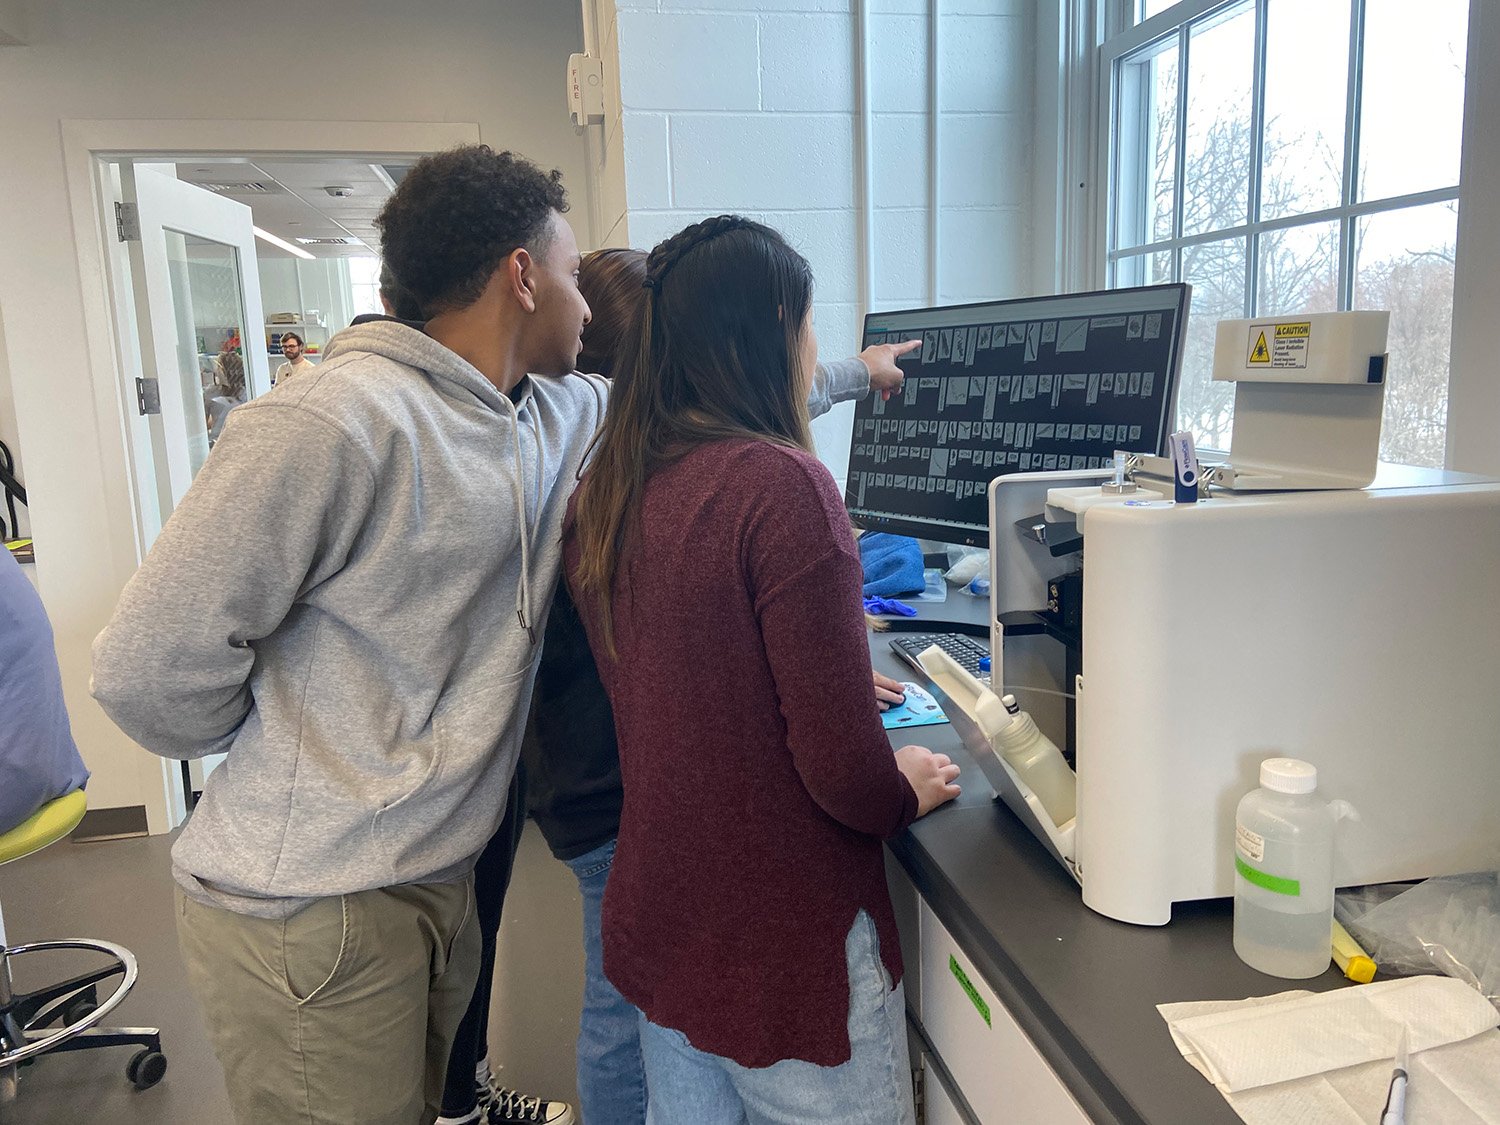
1257	157
1179	195
1349	227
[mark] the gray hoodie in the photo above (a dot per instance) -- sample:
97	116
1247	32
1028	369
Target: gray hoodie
348	602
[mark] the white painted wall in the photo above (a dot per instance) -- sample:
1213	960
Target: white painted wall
12	22
749	106
500	66
606	144
278	284
1474	389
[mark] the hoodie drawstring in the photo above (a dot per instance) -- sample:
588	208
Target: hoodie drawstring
523	588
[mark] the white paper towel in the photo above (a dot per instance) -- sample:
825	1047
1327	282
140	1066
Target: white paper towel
1301	1057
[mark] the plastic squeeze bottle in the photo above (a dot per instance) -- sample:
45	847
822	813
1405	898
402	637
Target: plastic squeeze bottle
1283	881
1038	762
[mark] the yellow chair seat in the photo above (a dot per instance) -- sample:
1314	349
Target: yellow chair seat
47	825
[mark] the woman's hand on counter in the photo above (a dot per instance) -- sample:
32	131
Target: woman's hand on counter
888	692
931	775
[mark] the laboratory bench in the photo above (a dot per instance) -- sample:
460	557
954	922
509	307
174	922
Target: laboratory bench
1029	1006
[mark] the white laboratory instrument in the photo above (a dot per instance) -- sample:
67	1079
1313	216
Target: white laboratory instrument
1369	615
1308	398
1364	604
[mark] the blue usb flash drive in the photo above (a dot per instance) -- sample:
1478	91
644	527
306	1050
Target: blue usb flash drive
1184	467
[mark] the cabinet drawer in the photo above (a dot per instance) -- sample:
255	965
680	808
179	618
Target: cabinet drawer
938	1106
999	1071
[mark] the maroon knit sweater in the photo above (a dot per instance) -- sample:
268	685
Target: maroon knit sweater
759	781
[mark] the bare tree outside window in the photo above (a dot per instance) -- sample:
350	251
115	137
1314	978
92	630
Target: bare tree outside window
1292	230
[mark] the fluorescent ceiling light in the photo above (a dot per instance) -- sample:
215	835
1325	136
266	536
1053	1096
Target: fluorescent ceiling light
267	236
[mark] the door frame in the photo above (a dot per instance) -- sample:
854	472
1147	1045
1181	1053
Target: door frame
88	147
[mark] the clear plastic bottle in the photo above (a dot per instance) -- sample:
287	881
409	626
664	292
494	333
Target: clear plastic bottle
1038	762
1283	881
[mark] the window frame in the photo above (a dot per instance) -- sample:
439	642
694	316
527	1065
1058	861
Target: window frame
1176	23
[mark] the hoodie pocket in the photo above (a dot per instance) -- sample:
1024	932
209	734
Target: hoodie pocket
446	816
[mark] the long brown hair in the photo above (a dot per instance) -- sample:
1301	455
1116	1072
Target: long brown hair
715	354
613	283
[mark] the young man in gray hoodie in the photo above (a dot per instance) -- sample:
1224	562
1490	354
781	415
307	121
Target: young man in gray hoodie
348	601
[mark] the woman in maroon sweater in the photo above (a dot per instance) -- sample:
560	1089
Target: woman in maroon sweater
713	564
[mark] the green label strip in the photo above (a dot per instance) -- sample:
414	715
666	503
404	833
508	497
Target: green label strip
1273	883
963	980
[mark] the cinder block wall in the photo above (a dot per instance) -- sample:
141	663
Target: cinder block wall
749	106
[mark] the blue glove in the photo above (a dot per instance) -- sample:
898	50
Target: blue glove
889	605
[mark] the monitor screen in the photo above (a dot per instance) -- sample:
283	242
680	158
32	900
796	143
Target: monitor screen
1041	384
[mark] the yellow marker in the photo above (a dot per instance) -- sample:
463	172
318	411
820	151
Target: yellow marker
1349	957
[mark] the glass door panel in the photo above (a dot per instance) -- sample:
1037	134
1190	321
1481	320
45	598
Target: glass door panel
209	329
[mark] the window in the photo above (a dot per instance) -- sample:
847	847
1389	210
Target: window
1284	156
364	284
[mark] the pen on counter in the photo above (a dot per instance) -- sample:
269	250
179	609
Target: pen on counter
1394	1112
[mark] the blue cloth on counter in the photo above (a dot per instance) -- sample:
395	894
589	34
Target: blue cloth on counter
889	605
892	563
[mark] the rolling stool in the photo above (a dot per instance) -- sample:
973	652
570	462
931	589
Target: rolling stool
61	1017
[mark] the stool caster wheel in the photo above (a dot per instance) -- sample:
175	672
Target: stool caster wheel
146	1068
79	1009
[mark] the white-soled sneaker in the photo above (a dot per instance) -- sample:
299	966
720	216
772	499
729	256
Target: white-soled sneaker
499	1106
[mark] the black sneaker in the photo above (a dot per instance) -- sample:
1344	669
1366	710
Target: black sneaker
499	1106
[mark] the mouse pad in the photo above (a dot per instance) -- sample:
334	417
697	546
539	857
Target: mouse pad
919	710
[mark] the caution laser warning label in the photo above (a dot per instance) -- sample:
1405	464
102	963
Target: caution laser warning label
1280	345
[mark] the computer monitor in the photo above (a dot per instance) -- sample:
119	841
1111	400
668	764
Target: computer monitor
1044	383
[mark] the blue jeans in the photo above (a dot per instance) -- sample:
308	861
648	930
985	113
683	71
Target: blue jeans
692	1087
611	1077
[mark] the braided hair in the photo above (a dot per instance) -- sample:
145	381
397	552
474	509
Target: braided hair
670	251
716	354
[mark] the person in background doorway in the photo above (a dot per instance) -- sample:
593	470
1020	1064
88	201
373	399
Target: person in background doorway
297	363
227	392
39	761
366	652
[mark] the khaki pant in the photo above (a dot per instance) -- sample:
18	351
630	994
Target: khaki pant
342	1014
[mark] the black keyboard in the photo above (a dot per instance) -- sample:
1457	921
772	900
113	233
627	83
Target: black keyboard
967	651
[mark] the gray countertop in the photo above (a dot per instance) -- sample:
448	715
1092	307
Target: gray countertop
1082	986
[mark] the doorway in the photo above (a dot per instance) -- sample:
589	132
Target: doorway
237	271
240	270
174	334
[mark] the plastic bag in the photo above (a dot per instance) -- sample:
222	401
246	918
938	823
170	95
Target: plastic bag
965	564
1449	925
937	589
